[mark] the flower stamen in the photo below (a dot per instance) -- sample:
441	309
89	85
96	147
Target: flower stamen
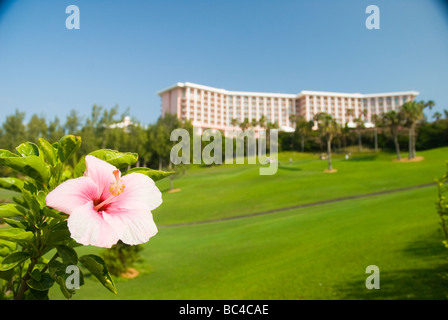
115	189
118	186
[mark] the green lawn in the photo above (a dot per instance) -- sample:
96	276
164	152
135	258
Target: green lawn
231	190
311	253
318	252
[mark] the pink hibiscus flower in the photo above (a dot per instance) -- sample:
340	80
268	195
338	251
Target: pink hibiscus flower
104	207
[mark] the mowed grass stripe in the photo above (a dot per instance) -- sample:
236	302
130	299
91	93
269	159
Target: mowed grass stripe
373	194
235	190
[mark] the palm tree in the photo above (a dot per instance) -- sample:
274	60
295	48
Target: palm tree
359	126
394	120
262	121
245	124
413	113
429	104
350	113
437	116
303	129
328	127
234	122
377	121
445	112
269	126
254	123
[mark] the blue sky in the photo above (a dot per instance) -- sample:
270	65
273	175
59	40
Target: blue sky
126	51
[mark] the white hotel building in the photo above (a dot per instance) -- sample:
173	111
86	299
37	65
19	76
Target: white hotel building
214	108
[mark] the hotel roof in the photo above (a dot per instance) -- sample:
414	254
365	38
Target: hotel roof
286	95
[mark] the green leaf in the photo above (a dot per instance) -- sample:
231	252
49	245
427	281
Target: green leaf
67	146
13	184
7	154
116	158
11	210
33	166
37	295
98	268
67	254
8	244
16	235
58	234
4	251
7	275
13	260
58	272
17	222
7	247
48	151
65	291
52	213
29	194
41	198
80	167
153	174
28	149
44	284
36	275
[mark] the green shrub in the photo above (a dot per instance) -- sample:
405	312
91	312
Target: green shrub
120	257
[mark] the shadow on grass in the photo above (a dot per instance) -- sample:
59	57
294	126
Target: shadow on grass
371	157
410	284
289	168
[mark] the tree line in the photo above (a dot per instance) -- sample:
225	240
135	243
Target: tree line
408	126
100	129
407	129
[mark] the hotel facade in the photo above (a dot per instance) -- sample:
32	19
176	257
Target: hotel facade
212	108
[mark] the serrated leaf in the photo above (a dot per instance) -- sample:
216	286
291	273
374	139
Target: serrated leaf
28	149
153	174
98	268
67	146
13	260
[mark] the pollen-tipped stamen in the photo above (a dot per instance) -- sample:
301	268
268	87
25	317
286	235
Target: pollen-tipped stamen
115	189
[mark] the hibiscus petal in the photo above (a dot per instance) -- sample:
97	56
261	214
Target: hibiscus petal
88	227
140	189
102	173
132	226
72	194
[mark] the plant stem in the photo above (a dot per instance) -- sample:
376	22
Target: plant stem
25	278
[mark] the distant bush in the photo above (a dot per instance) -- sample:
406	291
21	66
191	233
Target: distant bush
121	257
